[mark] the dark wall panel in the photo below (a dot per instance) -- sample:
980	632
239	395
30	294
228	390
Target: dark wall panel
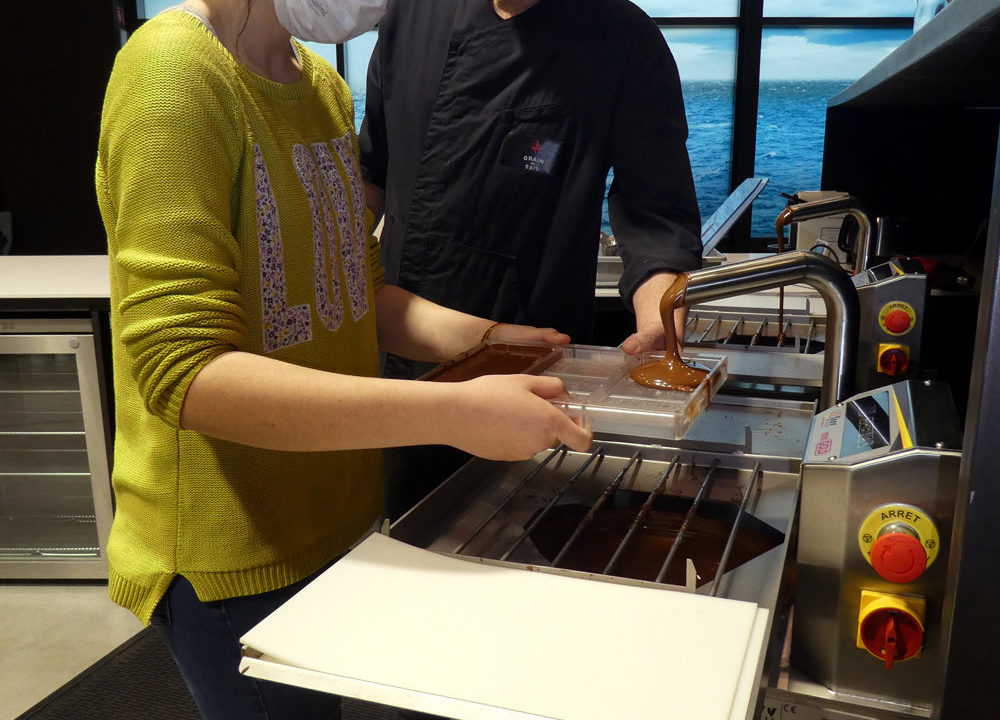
56	60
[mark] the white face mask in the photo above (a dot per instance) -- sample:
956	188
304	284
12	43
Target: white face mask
328	21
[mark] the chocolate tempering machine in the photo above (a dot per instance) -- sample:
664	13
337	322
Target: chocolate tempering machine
822	509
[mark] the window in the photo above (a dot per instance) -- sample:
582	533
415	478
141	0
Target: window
790	57
801	68
351	59
839	8
706	61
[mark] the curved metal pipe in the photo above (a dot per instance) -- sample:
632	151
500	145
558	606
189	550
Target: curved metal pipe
848	205
817	271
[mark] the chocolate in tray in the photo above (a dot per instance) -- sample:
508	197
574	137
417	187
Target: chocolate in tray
597	381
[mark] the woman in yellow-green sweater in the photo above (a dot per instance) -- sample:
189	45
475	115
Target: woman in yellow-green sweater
247	313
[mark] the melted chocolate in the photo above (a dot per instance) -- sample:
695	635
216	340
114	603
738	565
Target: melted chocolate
495	359
784	217
670	373
703	542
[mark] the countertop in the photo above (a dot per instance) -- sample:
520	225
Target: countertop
54	278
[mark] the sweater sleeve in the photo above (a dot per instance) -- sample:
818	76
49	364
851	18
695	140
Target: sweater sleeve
169	152
652	205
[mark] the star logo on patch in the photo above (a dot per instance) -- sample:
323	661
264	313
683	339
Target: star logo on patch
536	147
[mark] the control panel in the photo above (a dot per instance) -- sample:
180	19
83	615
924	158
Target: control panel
892	297
878	497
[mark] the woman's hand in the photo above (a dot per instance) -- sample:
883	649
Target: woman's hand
526	333
509	417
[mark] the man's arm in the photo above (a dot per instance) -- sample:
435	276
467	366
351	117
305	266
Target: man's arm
372	144
375	200
652	204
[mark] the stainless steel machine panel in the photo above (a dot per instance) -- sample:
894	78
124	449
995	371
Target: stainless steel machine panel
878	500
892	297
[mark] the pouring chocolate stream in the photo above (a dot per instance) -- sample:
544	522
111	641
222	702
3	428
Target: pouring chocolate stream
670	373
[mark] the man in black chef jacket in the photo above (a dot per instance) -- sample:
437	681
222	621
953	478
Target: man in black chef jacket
490	127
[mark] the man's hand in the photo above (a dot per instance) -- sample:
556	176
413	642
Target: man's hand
648	333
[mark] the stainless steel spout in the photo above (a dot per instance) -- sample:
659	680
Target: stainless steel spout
817	271
848	205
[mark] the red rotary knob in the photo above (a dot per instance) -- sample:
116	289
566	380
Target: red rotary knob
892	635
897	321
893	361
898	557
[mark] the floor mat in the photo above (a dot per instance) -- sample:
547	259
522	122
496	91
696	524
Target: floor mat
138	680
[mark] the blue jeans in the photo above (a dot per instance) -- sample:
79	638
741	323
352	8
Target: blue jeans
204	639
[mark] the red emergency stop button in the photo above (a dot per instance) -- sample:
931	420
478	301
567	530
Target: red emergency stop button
898	557
897	322
891	634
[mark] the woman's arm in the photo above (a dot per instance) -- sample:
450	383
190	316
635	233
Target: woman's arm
419	329
259	401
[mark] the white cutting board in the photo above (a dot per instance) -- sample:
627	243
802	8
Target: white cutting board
400	625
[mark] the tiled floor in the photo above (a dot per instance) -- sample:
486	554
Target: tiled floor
49	633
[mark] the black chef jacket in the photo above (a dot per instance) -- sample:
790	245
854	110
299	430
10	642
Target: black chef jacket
493	140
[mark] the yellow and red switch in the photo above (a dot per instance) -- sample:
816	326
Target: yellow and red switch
893	359
899	541
891	627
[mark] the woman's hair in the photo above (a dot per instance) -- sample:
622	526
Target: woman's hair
246	19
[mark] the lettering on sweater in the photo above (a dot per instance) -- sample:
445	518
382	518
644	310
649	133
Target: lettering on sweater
333	188
284	326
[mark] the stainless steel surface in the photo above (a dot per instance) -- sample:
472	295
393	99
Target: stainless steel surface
819	272
875	464
847	205
741	453
482	510
832	573
874	296
55	490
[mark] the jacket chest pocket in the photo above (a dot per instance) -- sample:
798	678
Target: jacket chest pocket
522	179
536	141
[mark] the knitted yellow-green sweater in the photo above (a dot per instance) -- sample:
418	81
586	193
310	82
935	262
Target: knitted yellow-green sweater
235	219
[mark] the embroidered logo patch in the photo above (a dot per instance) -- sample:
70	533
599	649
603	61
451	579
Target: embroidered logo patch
531	153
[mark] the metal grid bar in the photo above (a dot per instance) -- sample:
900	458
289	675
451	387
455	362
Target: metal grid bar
737	326
513	493
706	487
594	461
783	332
757	472
589	517
809	337
641	515
597	454
709	329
